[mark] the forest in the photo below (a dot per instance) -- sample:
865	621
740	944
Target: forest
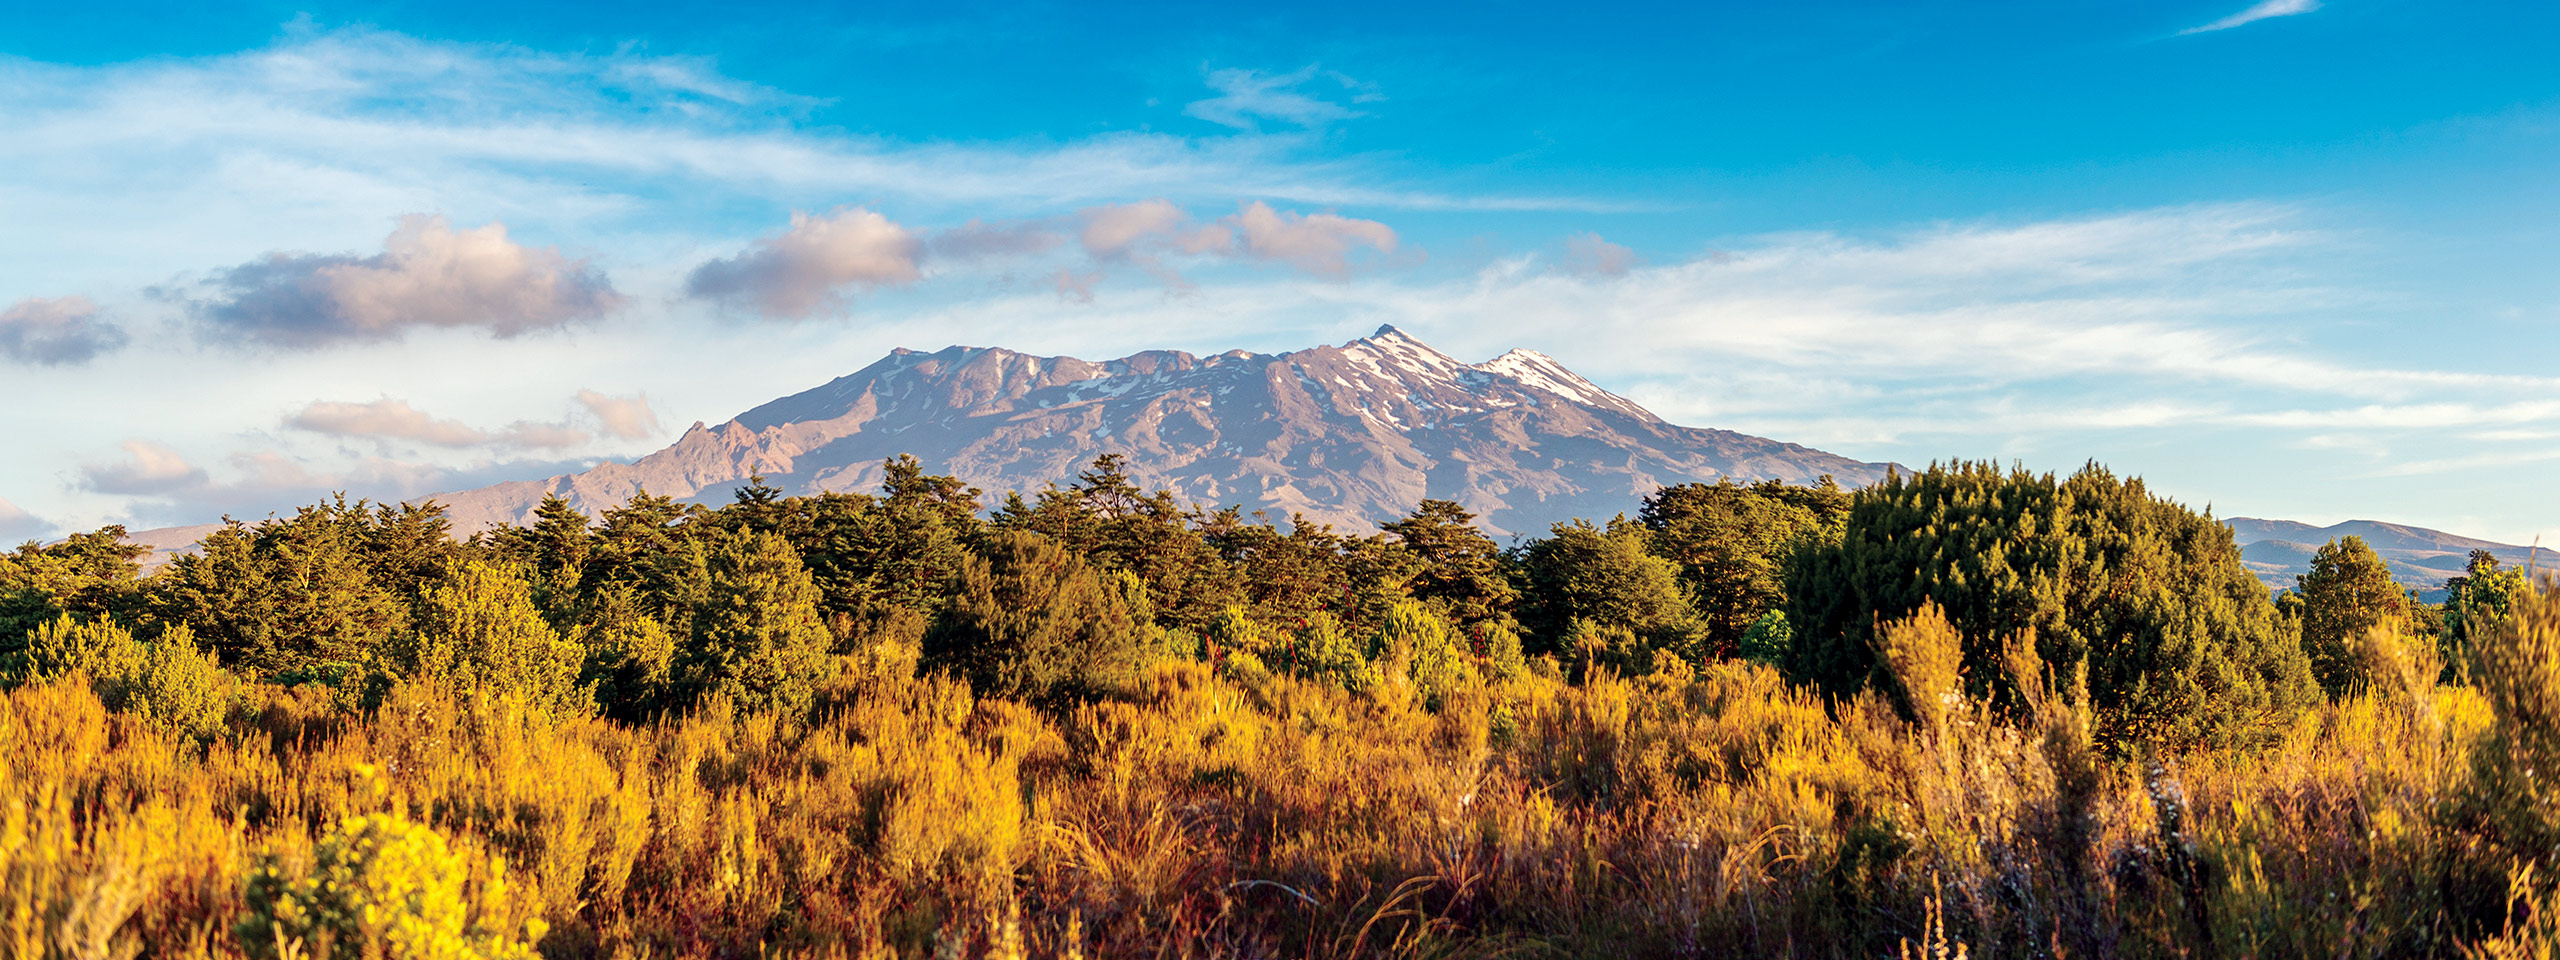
1969	711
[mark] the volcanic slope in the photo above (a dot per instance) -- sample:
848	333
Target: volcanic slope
1348	436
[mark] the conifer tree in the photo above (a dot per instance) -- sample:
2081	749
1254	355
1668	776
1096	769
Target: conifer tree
757	637
1608	578
1731	542
1461	572
290	596
1031	620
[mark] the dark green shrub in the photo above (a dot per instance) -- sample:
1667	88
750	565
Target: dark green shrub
1031	620
2181	643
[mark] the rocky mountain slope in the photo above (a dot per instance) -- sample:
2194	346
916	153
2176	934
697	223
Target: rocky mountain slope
1345	435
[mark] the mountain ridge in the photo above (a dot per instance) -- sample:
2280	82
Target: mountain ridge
1346	435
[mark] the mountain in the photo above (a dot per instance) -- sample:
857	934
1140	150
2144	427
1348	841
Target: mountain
1347	435
2421	559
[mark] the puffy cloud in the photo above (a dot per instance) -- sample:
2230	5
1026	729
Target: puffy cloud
148	469
1585	254
1246	94
1316	242
623	418
1141	232
56	332
428	275
1112	232
389	419
16	523
1076	286
803	269
2256	12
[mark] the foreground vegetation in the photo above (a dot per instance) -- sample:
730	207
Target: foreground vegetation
1970	712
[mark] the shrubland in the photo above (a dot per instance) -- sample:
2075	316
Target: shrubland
1970	711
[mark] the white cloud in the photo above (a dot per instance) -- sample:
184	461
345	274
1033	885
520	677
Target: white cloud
59	332
17	524
428	275
1244	95
148	469
1147	231
1319	243
623	418
2262	10
807	268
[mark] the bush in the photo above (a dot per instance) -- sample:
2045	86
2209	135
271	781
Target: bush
1033	621
379	886
2512	794
1921	654
479	629
1418	645
757	637
179	686
98	648
1323	651
2181	642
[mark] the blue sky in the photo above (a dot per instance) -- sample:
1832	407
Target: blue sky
2290	259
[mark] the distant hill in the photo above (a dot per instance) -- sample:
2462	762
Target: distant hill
2422	559
1346	435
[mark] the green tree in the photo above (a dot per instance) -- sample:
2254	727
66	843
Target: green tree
757	638
1461	572
1731	543
899	549
2348	591
2181	642
91	575
479	630
290	596
629	655
2474	603
1107	519
1032	620
1607	578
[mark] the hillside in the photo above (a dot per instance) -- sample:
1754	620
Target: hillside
2280	550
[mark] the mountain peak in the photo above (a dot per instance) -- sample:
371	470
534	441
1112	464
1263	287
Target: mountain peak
1341	435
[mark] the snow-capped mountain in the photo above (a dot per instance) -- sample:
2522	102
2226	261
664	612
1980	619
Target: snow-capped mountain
1346	435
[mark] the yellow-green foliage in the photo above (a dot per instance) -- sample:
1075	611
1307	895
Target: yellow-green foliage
480	630
179	686
1924	654
98	648
380	886
2513	791
1418	645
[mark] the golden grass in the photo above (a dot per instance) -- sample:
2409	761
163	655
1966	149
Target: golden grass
1716	812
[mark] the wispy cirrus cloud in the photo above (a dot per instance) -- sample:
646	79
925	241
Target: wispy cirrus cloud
1245	96
390	419
2263	10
